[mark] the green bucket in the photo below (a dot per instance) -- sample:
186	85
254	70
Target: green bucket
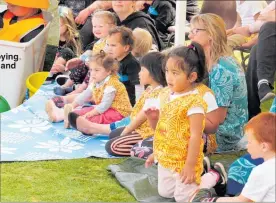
4	105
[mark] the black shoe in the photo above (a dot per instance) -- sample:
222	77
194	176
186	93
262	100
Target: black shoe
51	79
206	164
72	119
265	92
61	79
220	187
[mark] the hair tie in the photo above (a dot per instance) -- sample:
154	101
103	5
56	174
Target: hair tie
191	46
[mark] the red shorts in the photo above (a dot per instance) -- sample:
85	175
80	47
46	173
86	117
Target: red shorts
109	116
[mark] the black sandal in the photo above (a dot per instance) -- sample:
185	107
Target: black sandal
72	119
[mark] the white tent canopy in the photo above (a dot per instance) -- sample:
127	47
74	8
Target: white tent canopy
180	22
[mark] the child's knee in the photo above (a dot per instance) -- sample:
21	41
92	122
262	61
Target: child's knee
165	192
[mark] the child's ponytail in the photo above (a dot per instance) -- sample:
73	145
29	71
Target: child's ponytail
201	73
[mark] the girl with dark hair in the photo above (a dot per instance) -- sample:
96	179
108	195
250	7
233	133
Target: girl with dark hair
179	122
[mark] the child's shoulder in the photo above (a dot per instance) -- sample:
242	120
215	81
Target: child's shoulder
130	62
203	89
165	91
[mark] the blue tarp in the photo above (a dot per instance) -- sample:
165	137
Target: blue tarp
27	135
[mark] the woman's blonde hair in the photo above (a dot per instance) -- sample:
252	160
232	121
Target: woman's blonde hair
142	42
216	28
71	35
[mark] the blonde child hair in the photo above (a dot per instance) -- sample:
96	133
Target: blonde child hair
216	28
107	15
142	42
72	35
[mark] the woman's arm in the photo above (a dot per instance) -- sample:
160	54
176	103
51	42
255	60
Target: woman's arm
212	122
222	113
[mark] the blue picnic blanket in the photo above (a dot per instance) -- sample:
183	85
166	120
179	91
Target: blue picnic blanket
27	135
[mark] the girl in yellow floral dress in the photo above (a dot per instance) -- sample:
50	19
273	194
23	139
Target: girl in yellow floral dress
179	121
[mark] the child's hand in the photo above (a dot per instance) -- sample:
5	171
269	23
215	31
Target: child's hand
57	68
88	114
72	63
187	175
149	161
152	113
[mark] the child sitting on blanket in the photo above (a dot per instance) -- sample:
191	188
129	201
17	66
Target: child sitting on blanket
129	131
102	22
179	121
106	91
260	187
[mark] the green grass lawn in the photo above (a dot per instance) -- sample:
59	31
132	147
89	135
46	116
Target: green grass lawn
82	180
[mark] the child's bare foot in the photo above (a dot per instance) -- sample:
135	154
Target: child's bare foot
68	108
55	114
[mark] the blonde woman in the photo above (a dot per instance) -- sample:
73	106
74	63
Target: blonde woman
226	79
69	43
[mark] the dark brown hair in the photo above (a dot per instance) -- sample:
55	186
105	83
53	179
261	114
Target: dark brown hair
127	37
109	64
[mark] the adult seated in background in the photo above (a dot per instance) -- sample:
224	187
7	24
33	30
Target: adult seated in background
22	21
226	79
267	14
260	73
162	12
247	13
129	17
